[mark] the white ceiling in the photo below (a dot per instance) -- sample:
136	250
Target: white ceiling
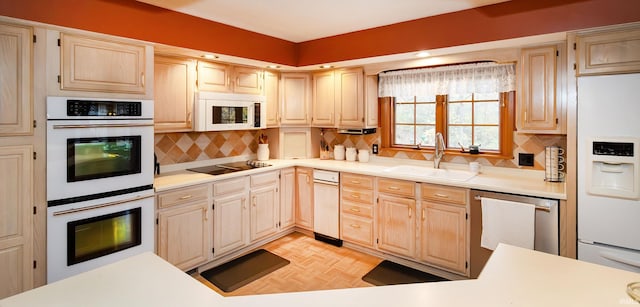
303	20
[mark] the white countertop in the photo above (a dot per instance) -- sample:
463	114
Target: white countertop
512	277
507	180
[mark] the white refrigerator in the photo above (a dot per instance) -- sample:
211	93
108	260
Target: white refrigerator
608	170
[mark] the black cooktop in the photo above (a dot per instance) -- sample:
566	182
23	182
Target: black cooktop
226	168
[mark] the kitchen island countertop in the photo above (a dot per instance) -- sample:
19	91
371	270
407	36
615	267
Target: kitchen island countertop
512	277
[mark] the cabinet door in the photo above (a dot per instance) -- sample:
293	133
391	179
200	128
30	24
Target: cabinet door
174	82
183	235
213	77
287	198
371	101
271	83
610	52
264	212
396	227
323	99
229	223
102	66
443	235
304	209
357	229
16	203
247	80
350	98
537	106
16	115
295	98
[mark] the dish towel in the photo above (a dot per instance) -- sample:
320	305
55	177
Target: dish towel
507	222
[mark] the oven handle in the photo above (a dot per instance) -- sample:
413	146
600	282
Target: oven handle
100	126
100	205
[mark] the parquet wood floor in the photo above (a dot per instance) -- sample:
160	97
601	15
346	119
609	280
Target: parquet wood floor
314	266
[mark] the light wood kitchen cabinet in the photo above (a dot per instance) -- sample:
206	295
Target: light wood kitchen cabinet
265	205
16	117
304	204
230	215
357	209
271	92
218	77
443	227
98	65
350	104
610	52
295	97
184	232
540	107
397	216
287	198
174	85
324	96
16	205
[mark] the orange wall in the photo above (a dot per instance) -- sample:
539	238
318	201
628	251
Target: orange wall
516	18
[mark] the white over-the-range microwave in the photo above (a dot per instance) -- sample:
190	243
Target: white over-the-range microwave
224	111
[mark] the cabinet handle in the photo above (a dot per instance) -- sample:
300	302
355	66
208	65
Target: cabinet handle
254	201
206	214
244	203
142	79
410	211
186	197
307	178
423	214
441	195
355	209
393	188
355	181
354	226
355	196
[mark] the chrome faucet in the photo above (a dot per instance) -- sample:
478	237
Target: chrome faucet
439	150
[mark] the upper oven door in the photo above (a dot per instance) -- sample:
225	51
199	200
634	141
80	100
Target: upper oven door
91	159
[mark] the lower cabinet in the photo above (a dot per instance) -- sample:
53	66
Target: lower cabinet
265	205
396	227
231	215
357	209
287	198
183	235
443	227
304	191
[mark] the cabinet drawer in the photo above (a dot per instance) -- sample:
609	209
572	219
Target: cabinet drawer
357	209
359	181
269	178
357	230
358	195
177	197
231	186
444	194
396	187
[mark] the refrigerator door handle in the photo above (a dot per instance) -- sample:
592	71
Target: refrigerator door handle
619	258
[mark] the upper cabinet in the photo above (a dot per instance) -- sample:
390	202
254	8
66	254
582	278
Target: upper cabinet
541	104
611	52
350	97
99	65
271	92
323	99
16	117
295	98
174	85
217	77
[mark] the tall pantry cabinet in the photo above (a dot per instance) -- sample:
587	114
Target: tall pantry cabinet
16	160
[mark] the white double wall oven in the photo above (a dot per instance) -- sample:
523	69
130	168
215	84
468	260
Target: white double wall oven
99	182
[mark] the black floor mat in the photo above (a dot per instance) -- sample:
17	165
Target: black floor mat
241	271
391	273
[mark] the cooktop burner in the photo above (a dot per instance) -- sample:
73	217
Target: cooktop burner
226	168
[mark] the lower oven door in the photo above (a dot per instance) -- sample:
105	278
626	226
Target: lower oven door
87	235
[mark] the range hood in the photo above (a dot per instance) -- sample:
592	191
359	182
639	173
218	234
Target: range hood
357	131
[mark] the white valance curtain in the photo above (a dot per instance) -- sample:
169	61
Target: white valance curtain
477	78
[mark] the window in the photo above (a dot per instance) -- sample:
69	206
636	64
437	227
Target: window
473	110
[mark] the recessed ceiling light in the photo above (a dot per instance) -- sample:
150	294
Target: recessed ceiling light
325	66
273	66
209	56
423	54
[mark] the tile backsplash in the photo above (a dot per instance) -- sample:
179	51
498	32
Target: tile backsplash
183	147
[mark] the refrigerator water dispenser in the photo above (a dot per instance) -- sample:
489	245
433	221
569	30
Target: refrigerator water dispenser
613	168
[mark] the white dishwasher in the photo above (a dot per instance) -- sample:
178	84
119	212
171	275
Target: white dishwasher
326	206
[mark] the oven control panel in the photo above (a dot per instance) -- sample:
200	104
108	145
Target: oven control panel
103	108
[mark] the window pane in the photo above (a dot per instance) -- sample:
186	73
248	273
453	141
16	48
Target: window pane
404	135
487	96
459	97
459	113
487	113
426	135
426	113
459	134
487	137
404	114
